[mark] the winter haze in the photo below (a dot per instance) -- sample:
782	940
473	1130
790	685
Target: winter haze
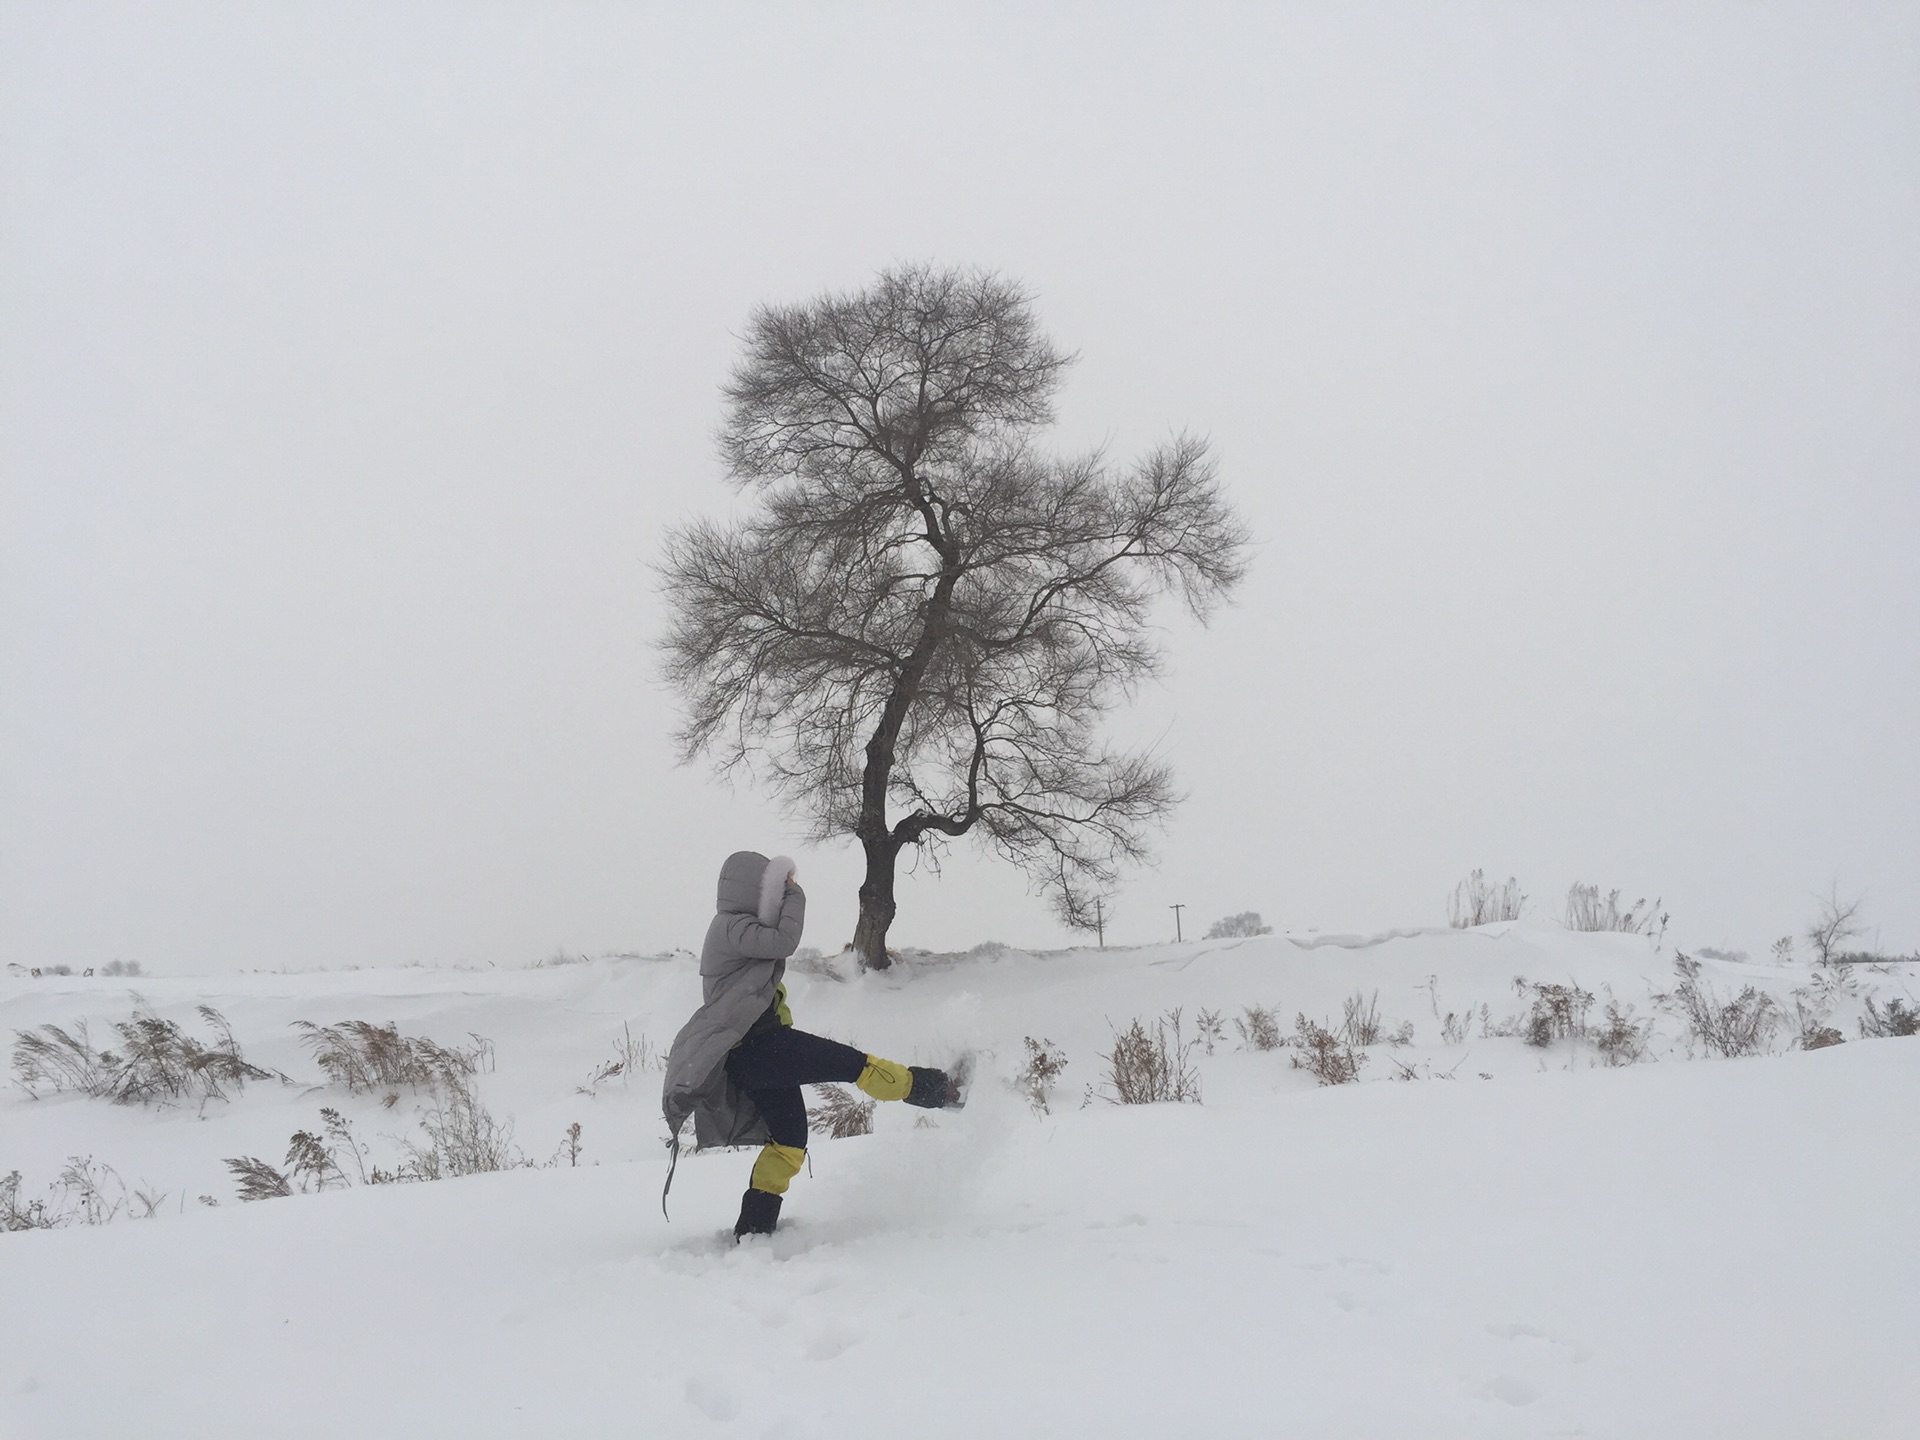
353	358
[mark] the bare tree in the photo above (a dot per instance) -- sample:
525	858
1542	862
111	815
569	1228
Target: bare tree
912	634
1838	922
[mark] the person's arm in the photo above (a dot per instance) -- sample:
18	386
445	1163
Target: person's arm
749	937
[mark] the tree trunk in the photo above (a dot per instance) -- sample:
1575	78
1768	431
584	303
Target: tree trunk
876	907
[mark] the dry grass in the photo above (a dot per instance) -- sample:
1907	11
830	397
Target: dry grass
1476	902
841	1113
155	1060
630	1057
363	1057
87	1193
1586	910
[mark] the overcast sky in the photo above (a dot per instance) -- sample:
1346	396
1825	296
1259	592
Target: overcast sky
1565	361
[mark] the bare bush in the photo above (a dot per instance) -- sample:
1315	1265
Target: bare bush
1045	1061
1147	1066
1259	1028
362	1057
1210	1027
1588	911
841	1114
121	967
1622	1040
1783	950
1476	902
1741	1026
1813	1004
1899	1018
155	1061
1558	1012
1234	927
1330	1059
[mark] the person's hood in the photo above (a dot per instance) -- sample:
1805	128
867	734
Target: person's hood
751	884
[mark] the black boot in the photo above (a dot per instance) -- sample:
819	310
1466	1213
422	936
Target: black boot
932	1089
759	1213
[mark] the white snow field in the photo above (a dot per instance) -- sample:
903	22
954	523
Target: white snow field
1518	1242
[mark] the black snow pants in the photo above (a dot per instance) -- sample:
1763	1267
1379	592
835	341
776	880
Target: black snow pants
775	1060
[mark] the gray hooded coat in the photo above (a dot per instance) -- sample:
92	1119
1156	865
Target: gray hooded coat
757	927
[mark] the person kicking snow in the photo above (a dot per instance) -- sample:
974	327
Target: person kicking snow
737	1066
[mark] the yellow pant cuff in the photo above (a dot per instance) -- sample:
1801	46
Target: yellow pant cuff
885	1079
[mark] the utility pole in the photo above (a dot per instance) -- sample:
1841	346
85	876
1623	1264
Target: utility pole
1177	936
1099	924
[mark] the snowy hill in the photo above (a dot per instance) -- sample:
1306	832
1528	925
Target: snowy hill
1483	1237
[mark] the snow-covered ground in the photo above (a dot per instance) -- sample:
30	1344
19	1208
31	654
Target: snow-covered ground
1516	1242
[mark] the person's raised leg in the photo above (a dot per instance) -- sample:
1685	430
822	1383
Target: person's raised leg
782	1055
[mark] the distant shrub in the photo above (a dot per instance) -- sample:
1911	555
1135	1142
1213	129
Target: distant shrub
1587	911
1732	1028
1558	1012
121	967
841	1114
1476	902
1045	1061
1622	1040
1783	950
361	1057
1899	1018
155	1061
1148	1066
1318	1050
1247	922
1259	1028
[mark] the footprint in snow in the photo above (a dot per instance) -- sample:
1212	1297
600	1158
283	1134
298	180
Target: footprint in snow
1574	1350
1510	1390
827	1344
713	1398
